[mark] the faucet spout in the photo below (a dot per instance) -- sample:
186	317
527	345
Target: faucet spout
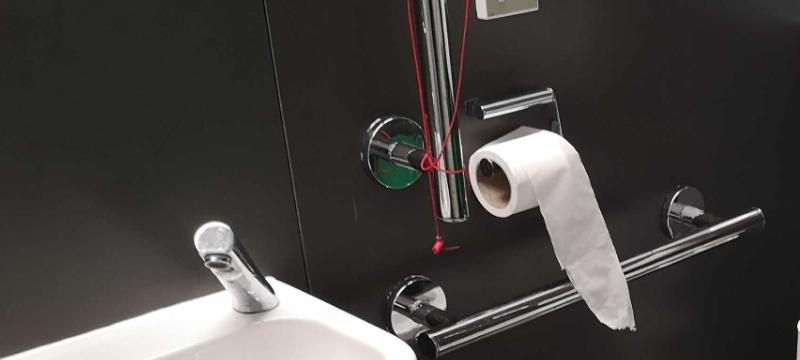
228	260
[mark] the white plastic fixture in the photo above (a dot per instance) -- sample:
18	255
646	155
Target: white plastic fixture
301	327
493	9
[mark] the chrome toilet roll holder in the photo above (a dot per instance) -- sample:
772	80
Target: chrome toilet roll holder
416	307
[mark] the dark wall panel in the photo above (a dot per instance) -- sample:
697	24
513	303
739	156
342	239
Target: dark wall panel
652	94
123	127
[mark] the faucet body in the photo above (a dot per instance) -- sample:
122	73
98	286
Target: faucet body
228	260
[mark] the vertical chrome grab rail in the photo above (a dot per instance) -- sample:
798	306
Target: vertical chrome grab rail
434	47
444	340
382	138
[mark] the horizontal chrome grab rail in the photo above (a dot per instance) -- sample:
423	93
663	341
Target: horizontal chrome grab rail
444	340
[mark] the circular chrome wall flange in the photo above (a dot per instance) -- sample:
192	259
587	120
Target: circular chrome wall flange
416	288
393	128
672	212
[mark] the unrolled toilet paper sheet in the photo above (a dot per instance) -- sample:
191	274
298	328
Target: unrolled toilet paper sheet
542	169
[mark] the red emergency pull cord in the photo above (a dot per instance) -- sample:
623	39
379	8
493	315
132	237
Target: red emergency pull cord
430	164
439	246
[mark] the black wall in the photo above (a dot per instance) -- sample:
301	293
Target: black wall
652	94
124	125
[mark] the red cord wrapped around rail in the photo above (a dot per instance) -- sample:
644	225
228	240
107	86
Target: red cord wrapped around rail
430	164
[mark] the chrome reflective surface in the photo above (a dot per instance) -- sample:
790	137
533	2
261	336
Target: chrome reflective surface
434	47
492	107
228	260
379	143
415	304
447	339
681	209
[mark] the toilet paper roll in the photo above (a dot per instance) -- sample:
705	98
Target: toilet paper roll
537	168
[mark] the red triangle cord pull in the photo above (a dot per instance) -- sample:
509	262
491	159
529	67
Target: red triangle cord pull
440	246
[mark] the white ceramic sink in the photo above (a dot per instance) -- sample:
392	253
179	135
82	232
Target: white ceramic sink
302	327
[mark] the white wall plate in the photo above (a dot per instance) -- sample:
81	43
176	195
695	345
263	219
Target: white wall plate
493	9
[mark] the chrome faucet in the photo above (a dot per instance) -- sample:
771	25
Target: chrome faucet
227	259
